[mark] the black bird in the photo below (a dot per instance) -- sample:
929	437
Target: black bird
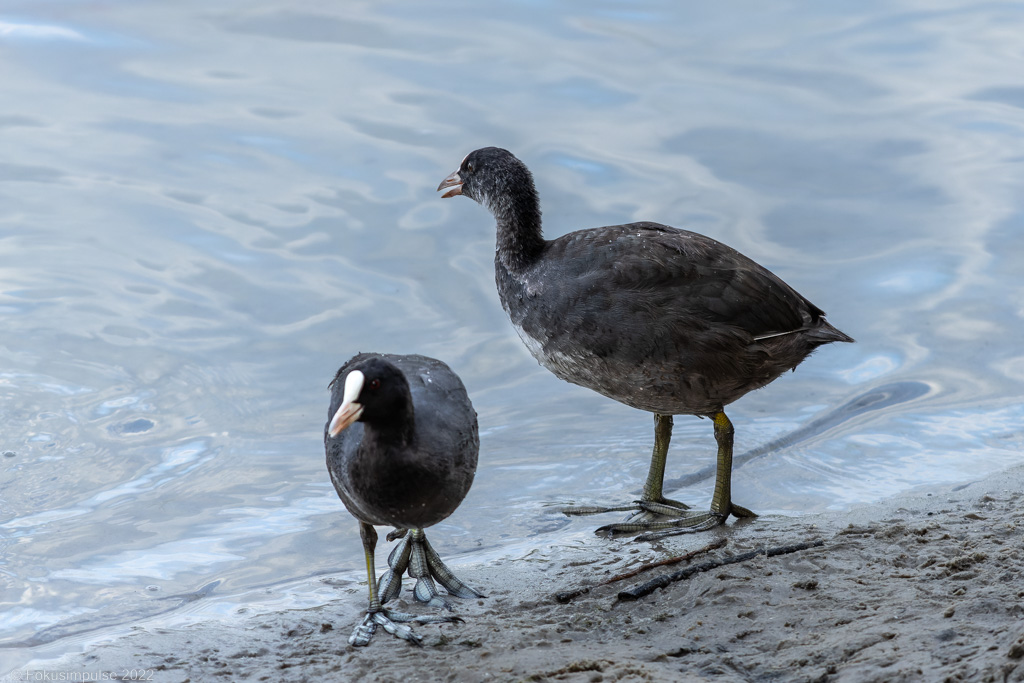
402	443
661	319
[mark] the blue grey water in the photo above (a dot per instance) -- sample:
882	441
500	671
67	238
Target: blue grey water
206	207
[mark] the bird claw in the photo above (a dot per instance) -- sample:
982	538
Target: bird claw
395	623
390	621
661	519
741	512
425	591
405	617
362	633
389	586
663	506
581	510
416	556
691	524
398	629
444	576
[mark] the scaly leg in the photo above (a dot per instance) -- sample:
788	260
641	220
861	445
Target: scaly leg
659	516
652	491
415	555
392	621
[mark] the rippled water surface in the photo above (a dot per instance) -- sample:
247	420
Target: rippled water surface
206	207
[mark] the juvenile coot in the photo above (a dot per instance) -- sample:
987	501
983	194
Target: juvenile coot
661	319
401	440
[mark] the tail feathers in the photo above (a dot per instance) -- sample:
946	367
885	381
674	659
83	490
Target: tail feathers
825	333
821	333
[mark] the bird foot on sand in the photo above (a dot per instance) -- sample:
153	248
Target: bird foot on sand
663	506
661	518
415	555
394	623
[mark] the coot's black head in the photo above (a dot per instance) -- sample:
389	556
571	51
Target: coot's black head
491	176
372	391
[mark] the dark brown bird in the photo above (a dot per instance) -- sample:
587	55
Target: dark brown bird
661	319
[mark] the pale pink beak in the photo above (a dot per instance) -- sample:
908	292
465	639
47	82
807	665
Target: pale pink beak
454	182
346	415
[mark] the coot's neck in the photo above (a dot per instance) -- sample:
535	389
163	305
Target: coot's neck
395	430
517	213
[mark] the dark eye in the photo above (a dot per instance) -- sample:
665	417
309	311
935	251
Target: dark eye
469	166
375	384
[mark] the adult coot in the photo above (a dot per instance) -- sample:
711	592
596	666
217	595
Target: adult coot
401	440
661	319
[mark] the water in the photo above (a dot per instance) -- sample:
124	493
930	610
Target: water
205	209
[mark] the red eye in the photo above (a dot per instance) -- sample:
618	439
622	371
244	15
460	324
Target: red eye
375	384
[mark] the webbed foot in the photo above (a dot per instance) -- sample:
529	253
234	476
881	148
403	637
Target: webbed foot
659	518
415	555
394	623
659	521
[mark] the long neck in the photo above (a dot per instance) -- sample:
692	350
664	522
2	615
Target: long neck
520	240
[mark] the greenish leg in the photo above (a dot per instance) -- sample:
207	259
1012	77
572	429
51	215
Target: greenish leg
369	537
721	503
651	502
656	474
392	621
722	500
659	517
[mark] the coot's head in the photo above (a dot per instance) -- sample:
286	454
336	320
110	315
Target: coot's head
373	391
487	176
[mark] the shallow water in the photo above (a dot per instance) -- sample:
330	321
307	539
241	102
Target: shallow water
203	212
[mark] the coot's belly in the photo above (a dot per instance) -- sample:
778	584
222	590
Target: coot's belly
668	387
400	495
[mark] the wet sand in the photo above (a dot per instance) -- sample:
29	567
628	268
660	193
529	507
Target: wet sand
926	587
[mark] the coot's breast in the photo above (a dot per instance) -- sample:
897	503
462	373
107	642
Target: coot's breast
447	440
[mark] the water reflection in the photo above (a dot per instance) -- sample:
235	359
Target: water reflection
203	213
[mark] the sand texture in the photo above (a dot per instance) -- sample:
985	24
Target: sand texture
923	588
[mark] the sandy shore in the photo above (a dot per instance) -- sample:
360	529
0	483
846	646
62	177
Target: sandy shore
923	588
